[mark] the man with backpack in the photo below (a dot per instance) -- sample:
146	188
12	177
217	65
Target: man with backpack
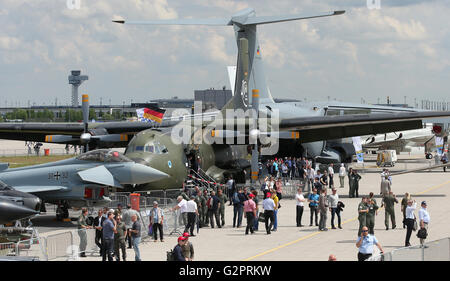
177	253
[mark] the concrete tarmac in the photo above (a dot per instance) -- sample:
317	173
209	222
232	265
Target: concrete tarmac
291	243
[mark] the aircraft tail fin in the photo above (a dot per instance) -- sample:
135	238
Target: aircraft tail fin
244	23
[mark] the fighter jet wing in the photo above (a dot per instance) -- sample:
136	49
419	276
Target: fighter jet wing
39	188
99	175
334	127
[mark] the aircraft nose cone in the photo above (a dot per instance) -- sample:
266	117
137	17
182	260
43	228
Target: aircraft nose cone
10	211
144	174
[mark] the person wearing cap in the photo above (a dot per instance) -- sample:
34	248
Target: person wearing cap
410	217
178	251
187	248
424	219
250	213
269	207
157	220
192	213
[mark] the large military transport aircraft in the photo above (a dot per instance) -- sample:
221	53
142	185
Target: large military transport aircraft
295	128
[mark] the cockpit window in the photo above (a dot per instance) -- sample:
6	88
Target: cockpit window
103	155
151	147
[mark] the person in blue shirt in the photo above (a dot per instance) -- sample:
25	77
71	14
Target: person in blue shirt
313	200
365	244
109	227
178	252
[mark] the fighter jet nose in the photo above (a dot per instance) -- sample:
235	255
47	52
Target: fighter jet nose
142	174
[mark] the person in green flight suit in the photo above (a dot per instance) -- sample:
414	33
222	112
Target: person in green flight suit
370	217
223	198
203	211
356	178
389	201
351	192
363	209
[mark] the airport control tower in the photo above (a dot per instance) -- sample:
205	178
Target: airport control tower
75	80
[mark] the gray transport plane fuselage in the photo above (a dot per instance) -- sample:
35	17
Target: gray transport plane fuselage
81	181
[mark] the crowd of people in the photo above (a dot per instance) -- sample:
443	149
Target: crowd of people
368	209
200	208
113	228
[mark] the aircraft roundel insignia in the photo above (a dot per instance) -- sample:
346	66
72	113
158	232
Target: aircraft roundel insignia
169	163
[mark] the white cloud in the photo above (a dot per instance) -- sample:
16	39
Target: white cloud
363	52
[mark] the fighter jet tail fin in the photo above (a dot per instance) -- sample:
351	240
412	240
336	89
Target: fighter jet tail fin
4	166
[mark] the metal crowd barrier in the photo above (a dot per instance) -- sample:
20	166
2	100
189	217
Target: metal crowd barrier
438	250
7	249
26	152
66	245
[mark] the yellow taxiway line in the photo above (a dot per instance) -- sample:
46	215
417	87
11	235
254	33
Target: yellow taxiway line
318	232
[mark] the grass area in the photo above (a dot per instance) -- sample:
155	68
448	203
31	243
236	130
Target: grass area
22	161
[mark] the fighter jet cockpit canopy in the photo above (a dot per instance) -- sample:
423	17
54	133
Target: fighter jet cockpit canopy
104	155
4	186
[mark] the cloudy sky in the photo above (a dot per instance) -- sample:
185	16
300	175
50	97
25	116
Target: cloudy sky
402	49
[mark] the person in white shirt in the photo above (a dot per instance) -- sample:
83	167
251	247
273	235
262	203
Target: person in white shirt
192	212
299	198
182	207
424	219
342	174
269	207
410	220
333	200
330	175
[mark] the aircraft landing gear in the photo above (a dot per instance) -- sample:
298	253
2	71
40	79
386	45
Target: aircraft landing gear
62	212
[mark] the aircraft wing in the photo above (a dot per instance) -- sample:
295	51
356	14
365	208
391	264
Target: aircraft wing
335	127
99	175
69	133
39	188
